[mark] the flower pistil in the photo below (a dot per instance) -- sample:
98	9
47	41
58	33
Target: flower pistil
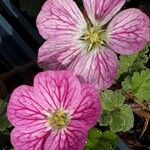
94	38
58	120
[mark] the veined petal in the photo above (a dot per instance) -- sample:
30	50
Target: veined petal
98	68
60	17
72	138
58	53
59	89
24	110
102	11
89	109
129	31
25	141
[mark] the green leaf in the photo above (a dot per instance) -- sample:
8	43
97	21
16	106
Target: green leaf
94	134
4	123
117	115
127	115
139	85
100	141
129	64
122	119
2	106
111	137
117	122
112	100
105	119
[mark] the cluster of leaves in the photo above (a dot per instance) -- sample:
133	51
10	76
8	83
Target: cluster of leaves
116	114
134	82
101	140
139	85
131	63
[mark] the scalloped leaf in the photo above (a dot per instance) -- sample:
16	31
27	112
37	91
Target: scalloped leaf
131	63
139	85
123	119
98	140
112	100
105	119
117	122
127	115
116	114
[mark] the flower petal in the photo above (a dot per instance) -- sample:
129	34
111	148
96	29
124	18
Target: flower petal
25	141
24	110
60	17
102	11
58	53
98	68
89	109
129	31
72	138
59	89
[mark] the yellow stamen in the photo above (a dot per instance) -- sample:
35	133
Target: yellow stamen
58	120
94	38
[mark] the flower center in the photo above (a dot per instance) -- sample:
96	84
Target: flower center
58	120
94	38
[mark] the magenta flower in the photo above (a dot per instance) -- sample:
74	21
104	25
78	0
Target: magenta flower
86	46
55	114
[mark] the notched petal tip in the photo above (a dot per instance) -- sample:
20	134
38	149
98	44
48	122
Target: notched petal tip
102	11
57	89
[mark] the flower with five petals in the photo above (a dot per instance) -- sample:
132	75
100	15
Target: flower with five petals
87	45
55	114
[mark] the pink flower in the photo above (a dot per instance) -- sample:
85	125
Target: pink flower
55	114
86	46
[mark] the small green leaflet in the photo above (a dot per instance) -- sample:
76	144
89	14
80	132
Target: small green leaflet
117	115
2	106
129	64
101	141
112	100
139	85
4	123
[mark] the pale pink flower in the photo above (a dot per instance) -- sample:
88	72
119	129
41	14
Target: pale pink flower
55	114
86	46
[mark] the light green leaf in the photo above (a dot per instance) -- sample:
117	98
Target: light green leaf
117	123
105	119
139	85
122	119
127	115
136	62
112	100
